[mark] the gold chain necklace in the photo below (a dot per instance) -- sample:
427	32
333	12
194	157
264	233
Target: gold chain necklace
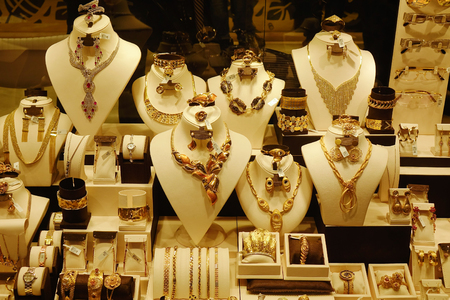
336	99
276	216
208	172
50	134
159	116
238	106
349	186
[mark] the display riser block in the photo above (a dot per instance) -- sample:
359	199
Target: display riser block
82	225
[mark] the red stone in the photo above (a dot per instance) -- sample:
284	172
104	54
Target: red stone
88	85
82	102
79	46
94	6
92	109
85	110
95	103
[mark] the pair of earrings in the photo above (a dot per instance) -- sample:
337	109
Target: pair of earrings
272	182
398	208
354	153
432	258
201	134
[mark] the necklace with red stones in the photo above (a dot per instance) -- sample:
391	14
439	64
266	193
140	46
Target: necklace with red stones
89	104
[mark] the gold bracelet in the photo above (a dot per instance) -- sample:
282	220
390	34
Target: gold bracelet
72	204
260	242
166	271
208	291
304	249
191	273
345	119
379	104
293	103
168	62
379	124
199	272
95	284
216	273
133	214
68	284
174	272
292	123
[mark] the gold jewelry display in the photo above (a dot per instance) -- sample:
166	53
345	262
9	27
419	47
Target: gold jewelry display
201	116
395	281
199	279
208	172
238	106
89	104
380	104
42	256
174	271
304	249
260	242
72	204
379	124
336	99
133	214
208	290
303	297
292	123
276	216
168	62
166	272
50	137
293	103
159	116
347	276
5	258
112	282
216	273
95	284
191	275
432	258
333	23
354	153
348	186
135	257
91	8
69	159
68	281
421	257
6	170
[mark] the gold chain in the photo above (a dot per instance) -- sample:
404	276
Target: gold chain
174	272
191	272
349	186
380	104
216	273
208	292
199	272
166	271
276	216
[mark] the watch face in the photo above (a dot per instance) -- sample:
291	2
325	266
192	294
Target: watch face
29	276
347	275
131	146
42	257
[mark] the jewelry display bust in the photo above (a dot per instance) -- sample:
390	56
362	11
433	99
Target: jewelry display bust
341	72
88	101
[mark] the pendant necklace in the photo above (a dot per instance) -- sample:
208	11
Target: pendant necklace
89	104
336	99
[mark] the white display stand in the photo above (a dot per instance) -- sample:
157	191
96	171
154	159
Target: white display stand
42	172
259	170
37	284
424	271
424	234
50	253
185	192
109	83
252	125
328	187
336	70
169	102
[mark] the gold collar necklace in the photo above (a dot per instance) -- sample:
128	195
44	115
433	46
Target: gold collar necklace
89	104
336	99
206	172
159	116
238	106
349	186
276	216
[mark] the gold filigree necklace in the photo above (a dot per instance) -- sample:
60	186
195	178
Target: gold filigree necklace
349	186
336	99
206	172
276	216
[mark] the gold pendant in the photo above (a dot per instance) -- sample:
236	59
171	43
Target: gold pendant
276	220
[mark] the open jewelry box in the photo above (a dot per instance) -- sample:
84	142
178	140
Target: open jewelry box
389	269
318	270
361	288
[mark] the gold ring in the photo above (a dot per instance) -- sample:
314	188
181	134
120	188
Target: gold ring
333	23
201	116
303	297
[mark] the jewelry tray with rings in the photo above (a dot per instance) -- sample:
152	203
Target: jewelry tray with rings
139	170
361	289
271	270
431	289
316	272
388	269
402	198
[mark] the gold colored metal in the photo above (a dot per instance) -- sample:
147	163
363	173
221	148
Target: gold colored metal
260	242
72	204
133	214
304	249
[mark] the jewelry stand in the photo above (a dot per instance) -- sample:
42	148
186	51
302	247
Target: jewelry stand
213	237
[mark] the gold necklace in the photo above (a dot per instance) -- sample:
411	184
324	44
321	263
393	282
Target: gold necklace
206	172
69	159
276	216
349	186
49	136
336	99
238	106
159	116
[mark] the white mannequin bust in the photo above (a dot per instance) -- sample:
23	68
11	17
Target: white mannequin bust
329	188
68	81
42	172
184	191
252	125
336	70
259	170
169	102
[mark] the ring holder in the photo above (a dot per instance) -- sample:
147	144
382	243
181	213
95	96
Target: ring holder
133	210
139	169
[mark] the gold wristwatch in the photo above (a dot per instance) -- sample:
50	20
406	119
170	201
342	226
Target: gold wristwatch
28	278
347	276
95	284
49	238
42	256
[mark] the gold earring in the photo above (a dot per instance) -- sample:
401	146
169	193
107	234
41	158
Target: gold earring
397	206
269	184
407	206
432	258
421	257
286	184
192	145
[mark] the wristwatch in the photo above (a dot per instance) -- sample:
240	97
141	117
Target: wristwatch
347	276
49	238
68	284
95	284
57	220
28	278
131	146
42	256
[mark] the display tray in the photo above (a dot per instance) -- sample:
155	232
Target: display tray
390	268
337	267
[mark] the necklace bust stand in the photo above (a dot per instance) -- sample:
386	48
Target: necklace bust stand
169	102
259	170
329	189
109	83
42	172
18	228
252	125
184	191
336	70
74	156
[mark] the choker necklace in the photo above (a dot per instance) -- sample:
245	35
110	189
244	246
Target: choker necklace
276	216
159	116
89	105
349	186
336	99
206	172
238	106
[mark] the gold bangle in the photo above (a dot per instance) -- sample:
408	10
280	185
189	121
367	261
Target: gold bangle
293	103
379	104
379	124
95	284
333	23
72	204
304	249
133	214
164	60
260	242
292	123
68	284
345	119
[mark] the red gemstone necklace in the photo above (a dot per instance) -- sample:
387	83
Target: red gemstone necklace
89	104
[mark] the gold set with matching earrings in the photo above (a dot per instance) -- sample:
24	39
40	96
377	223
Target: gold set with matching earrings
276	180
398	208
432	258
